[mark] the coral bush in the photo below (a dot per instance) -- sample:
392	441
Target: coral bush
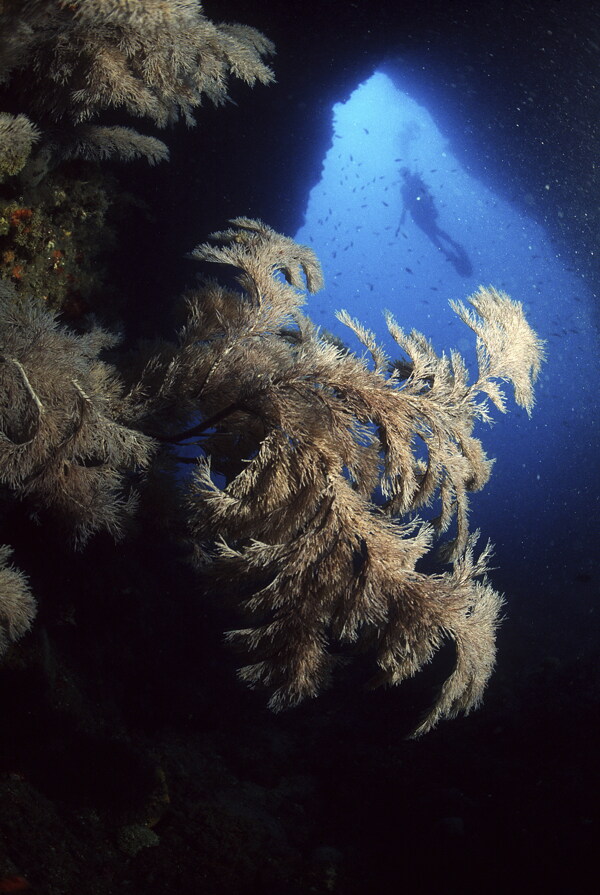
65	64
307	436
61	442
69	60
17	606
17	137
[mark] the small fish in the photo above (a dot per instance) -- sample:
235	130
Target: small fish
408	270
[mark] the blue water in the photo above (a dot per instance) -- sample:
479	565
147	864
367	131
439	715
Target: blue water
541	506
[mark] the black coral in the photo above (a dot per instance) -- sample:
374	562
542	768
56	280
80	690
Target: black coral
307	435
157	59
324	458
17	137
63	444
17	606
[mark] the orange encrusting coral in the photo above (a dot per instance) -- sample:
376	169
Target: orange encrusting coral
57	259
20	216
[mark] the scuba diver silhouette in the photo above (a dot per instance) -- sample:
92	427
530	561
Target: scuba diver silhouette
417	199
